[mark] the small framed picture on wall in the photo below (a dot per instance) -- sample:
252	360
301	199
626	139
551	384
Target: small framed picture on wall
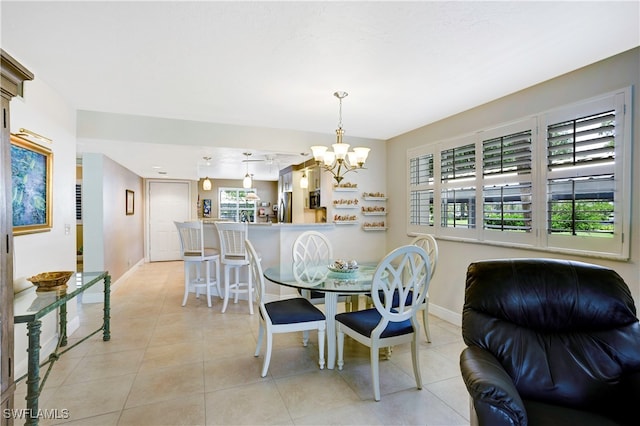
206	208
129	197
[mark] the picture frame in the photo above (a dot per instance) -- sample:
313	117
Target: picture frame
31	184
206	208
130	202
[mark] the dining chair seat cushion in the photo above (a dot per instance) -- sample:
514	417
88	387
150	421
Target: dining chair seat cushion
366	320
208	252
293	311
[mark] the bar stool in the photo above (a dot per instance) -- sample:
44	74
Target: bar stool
233	255
195	254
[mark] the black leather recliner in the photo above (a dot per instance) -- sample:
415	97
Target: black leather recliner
550	342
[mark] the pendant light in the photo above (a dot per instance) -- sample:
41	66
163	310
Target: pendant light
304	180
247	182
206	183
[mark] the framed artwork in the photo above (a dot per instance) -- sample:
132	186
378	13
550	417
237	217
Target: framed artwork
206	208
31	185
129	196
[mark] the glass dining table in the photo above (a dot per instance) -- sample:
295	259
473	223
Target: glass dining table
332	283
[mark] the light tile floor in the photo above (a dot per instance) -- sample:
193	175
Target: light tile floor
173	365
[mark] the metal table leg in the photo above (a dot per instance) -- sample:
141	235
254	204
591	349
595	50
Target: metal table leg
106	332
33	375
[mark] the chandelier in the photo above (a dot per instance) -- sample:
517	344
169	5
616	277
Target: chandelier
340	161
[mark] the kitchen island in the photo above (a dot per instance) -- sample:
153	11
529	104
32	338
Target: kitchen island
274	242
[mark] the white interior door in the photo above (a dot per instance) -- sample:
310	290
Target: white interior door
168	202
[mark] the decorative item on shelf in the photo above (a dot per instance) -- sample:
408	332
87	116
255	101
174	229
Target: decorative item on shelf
344	218
374	195
345	203
374	226
51	281
340	161
345	185
374	210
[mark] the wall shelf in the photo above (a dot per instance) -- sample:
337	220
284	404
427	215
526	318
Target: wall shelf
374	228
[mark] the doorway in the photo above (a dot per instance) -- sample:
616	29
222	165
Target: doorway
169	201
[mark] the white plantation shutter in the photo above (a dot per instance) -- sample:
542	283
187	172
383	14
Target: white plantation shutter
558	181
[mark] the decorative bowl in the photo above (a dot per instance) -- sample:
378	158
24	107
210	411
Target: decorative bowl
51	281
344	266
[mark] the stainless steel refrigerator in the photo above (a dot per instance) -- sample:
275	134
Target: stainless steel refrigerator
285	210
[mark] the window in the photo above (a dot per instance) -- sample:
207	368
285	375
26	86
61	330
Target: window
421	194
556	181
457	196
233	205
79	203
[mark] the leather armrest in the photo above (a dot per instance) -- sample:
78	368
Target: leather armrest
495	397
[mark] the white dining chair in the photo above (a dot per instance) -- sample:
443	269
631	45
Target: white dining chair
196	255
283	316
403	272
430	245
312	250
233	256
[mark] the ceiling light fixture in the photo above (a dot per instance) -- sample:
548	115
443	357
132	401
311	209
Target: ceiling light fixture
304	180
340	161
252	196
206	183
247	181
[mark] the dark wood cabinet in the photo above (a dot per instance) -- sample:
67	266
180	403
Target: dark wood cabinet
13	76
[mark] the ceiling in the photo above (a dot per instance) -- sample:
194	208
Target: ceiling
276	64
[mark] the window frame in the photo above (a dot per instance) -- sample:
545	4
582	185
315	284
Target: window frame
238	203
616	247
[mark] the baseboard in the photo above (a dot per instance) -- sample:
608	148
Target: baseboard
98	297
46	348
454	318
73	325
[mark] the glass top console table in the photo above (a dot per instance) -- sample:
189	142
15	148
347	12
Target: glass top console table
30	306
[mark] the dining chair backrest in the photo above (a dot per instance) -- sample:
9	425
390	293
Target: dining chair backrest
405	272
430	245
313	248
191	239
232	237
312	252
255	269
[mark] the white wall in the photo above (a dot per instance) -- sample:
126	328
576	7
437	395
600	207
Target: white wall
447	289
47	113
113	241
